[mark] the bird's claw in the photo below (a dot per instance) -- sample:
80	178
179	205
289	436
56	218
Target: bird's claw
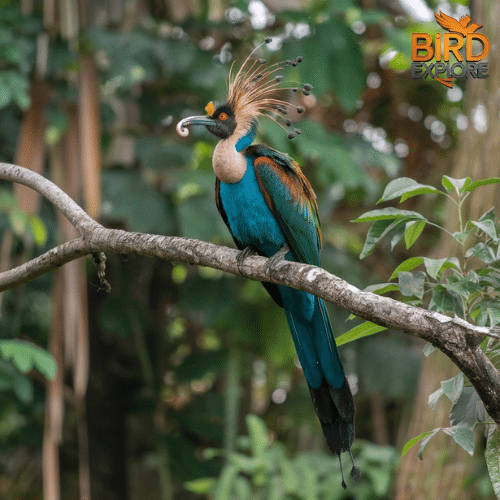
240	258
274	260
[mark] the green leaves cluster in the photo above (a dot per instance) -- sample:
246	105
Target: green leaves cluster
263	470
26	356
467	286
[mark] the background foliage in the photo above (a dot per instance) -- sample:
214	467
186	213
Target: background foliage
188	365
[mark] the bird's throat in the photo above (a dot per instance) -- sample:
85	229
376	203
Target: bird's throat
228	161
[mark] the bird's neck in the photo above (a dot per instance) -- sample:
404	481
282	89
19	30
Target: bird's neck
228	160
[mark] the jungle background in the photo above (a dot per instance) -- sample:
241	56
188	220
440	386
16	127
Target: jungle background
177	367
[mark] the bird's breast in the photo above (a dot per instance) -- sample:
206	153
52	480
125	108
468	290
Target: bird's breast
249	218
229	164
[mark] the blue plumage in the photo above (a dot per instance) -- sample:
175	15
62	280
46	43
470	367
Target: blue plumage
271	207
267	203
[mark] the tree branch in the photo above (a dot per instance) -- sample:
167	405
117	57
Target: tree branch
454	336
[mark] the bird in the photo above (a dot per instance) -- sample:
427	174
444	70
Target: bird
270	209
451	24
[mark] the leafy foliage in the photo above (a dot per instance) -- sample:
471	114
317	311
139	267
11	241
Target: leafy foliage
262	469
25	357
468	286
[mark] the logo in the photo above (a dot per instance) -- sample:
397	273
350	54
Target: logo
461	34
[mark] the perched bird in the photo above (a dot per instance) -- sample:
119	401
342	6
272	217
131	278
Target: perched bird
270	209
451	24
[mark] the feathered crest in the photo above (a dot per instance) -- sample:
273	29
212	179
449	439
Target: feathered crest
254	90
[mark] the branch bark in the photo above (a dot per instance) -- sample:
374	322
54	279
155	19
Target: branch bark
455	337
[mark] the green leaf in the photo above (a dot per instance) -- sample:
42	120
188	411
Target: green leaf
397	235
377	231
435	396
406	188
452	388
38	230
290	480
463	436
258	435
460	185
382	288
358	332
389	213
461	236
488	227
482	252
463	286
26	356
425	440
468	409
492	455
489	215
473	185
224	486
446	301
18	221
434	266
246	464
201	486
416	439
407	265
242	489
412	284
413	231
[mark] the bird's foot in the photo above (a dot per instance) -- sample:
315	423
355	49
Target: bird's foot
274	260
240	258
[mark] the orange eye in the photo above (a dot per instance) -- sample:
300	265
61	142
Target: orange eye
223	116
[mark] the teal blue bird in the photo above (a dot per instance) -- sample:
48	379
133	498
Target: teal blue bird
270	209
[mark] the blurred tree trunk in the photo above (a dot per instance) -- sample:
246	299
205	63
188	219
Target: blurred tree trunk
478	151
445	465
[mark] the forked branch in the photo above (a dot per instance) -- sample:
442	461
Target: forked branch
458	339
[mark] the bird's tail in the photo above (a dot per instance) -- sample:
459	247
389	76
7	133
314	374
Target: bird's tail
335	410
330	392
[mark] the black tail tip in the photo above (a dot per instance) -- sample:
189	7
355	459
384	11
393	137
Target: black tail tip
355	473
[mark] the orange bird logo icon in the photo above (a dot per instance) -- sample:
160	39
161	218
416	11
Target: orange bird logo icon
462	26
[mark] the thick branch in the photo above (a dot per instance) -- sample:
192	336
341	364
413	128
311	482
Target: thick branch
455	337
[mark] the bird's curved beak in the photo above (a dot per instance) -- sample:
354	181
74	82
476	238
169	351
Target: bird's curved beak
182	126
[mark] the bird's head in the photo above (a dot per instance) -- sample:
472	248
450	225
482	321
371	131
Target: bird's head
253	91
220	120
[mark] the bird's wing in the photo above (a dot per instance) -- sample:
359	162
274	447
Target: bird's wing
464	20
448	22
291	199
